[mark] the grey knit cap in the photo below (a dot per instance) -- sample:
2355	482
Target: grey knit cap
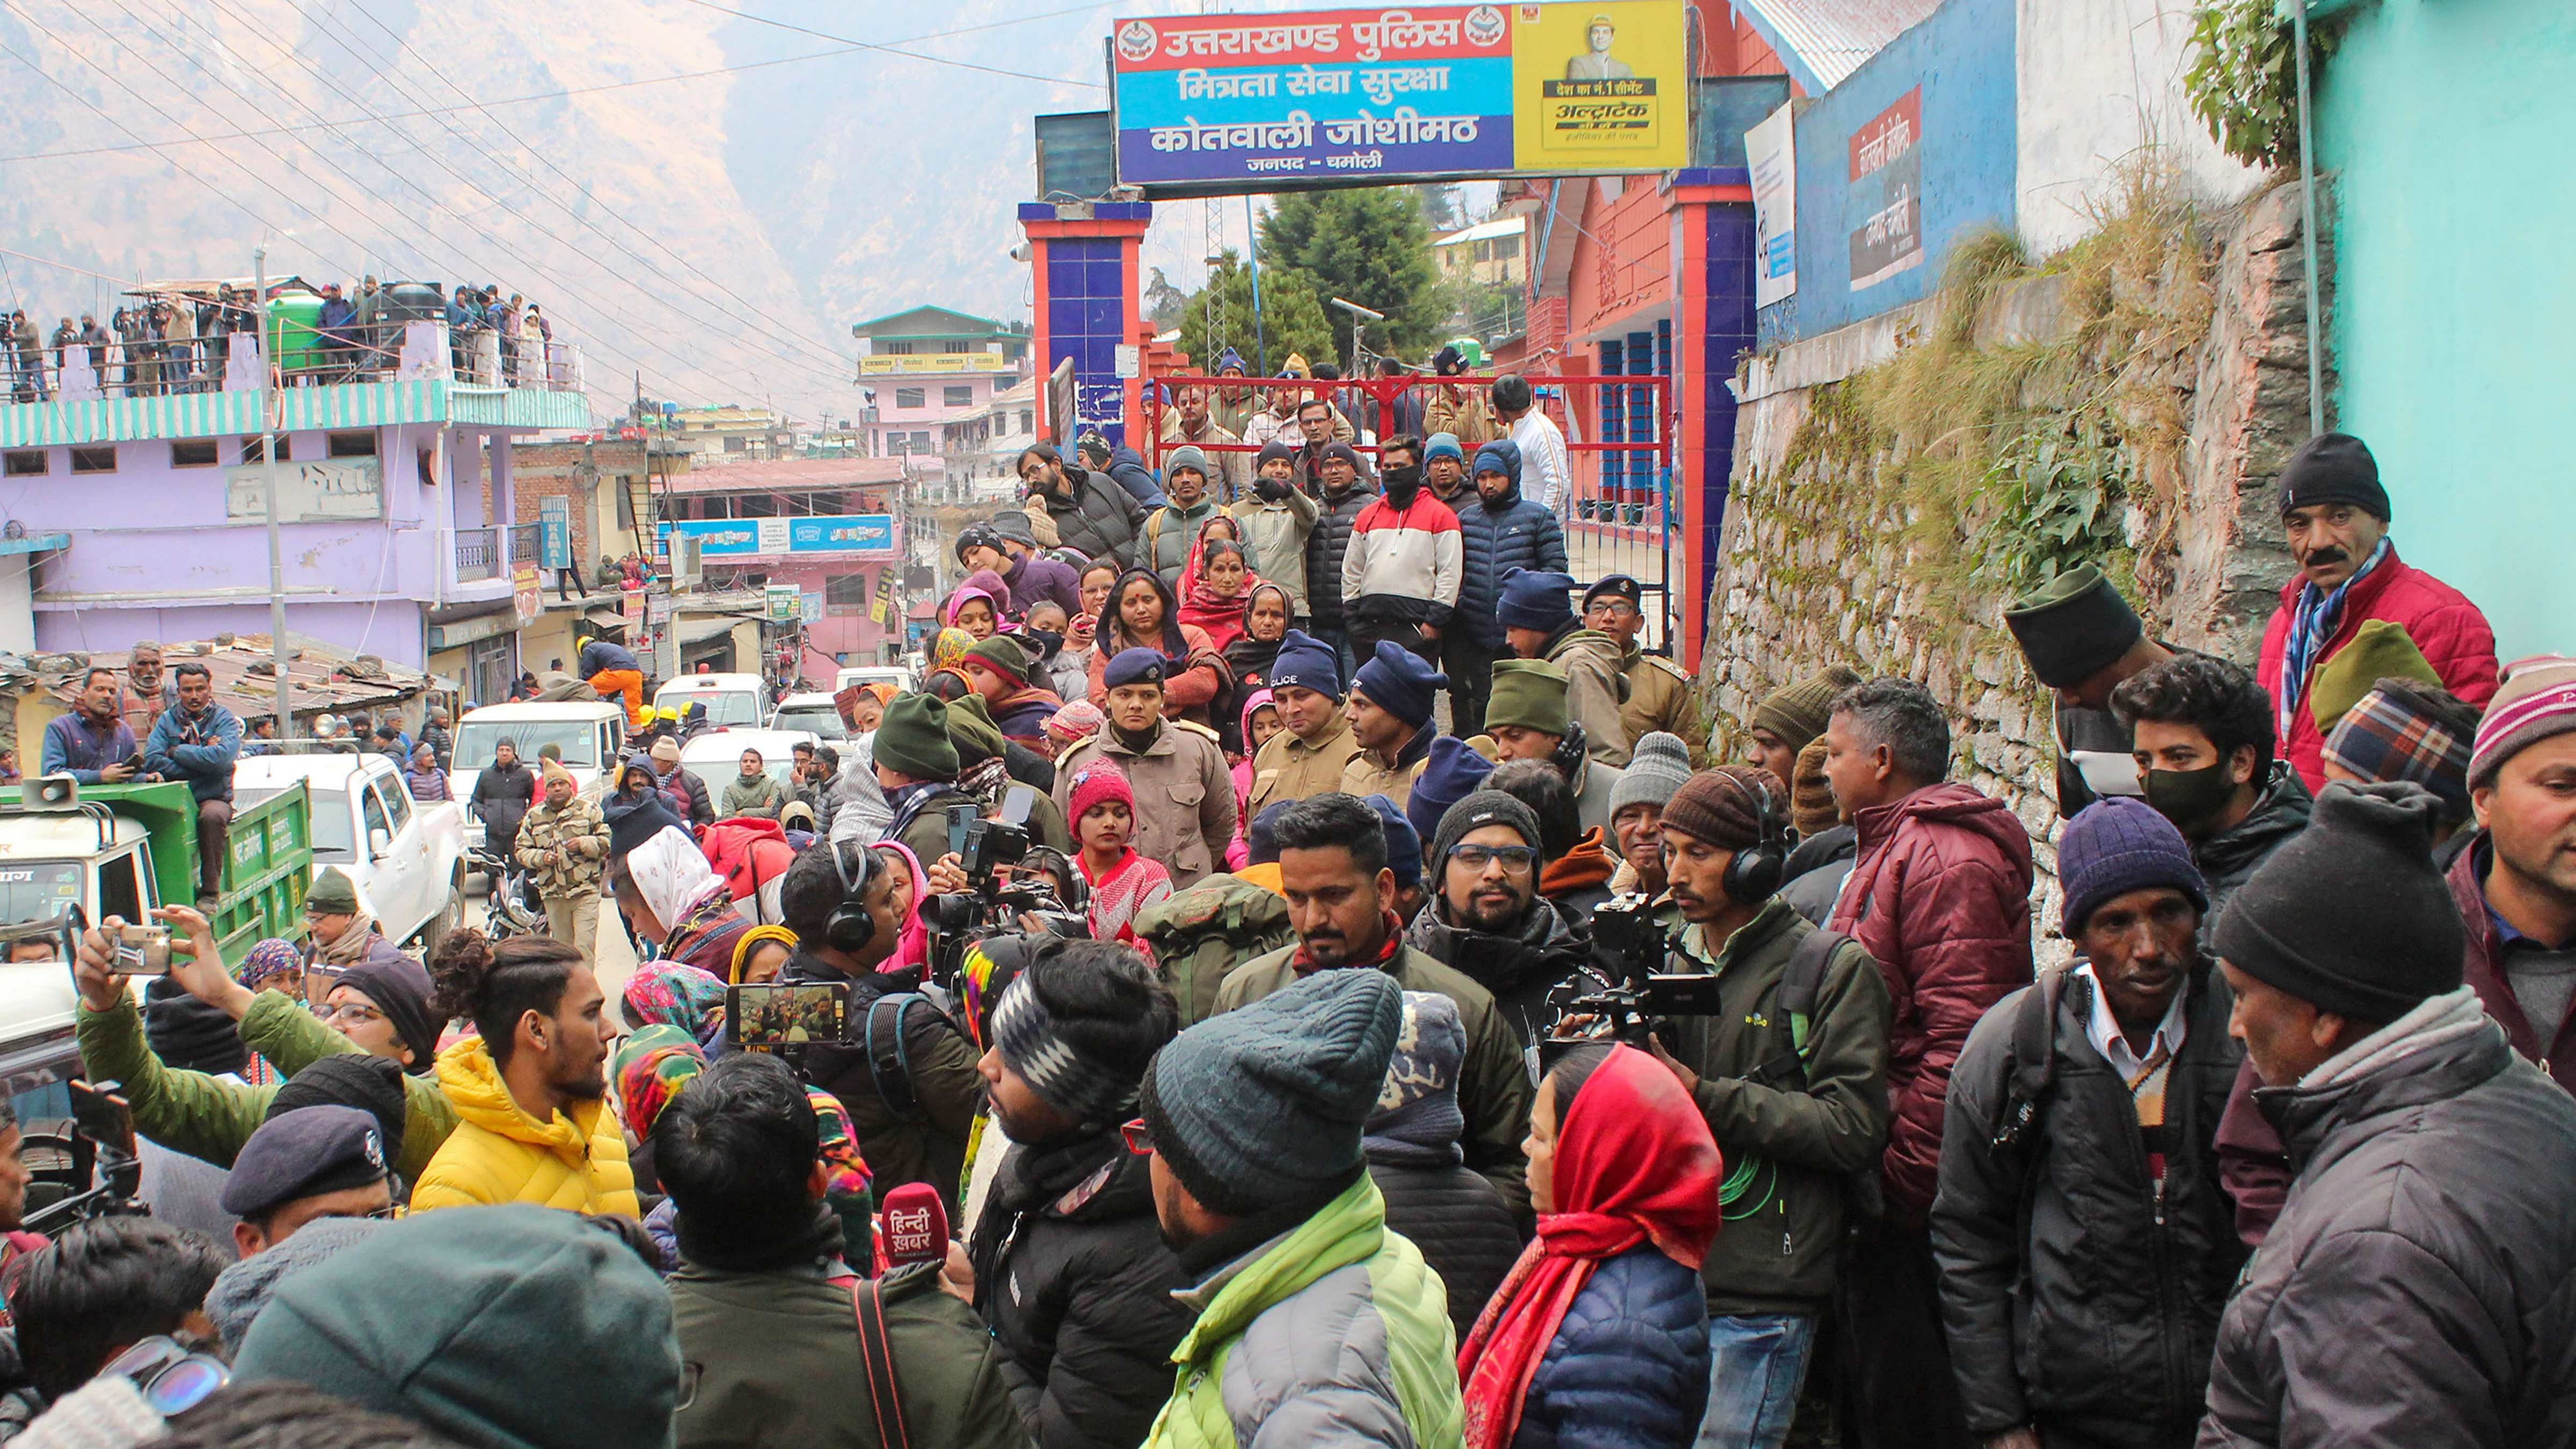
1657	765
243	1289
1483	808
1264	1106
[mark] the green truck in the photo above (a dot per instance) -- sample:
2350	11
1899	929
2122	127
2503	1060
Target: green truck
120	850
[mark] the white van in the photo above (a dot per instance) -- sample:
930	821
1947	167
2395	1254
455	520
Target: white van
731	699
591	737
894	674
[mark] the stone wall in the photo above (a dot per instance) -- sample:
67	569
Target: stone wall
1816	565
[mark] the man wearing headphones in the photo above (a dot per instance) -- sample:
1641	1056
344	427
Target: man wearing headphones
906	1073
1790	1072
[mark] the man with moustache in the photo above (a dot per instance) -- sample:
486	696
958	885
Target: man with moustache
2336	516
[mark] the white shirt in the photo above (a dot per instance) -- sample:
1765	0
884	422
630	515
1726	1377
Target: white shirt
1543	455
2103	1030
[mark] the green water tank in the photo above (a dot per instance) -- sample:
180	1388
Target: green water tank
293	338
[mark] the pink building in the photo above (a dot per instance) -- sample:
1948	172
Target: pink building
925	366
830	526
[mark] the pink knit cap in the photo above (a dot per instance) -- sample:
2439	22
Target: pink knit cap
1098	783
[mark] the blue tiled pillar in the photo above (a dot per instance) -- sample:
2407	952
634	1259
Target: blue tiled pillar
1728	323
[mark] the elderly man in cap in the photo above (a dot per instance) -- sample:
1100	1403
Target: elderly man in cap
309	1163
1390	714
1529	718
2515	882
2124	1064
2414	1289
2083	640
2336	514
1659	692
1308	757
1539	623
1185	813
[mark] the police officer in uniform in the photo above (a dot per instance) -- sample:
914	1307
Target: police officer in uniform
1659	692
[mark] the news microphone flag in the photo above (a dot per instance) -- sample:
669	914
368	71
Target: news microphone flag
913	1228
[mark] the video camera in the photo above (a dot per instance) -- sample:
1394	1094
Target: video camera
1646	995
85	1166
1003	889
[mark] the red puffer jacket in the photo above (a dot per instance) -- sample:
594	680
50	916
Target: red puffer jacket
2453	635
1940	896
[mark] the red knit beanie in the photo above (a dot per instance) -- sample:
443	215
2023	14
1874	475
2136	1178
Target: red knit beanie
1099	782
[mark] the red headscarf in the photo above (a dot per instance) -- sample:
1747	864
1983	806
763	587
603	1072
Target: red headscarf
1634	1163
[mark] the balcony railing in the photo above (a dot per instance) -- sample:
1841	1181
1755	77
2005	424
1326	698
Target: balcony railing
523	544
479	554
383	353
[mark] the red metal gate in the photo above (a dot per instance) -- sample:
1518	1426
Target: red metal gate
1619	515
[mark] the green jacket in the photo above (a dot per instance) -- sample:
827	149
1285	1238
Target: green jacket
1804	1132
758	795
209	1118
1344	1338
1206	931
1494	1085
773	1359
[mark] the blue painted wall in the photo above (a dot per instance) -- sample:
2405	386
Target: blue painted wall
2441	121
1962	57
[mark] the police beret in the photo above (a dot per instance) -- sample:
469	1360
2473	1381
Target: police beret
304	1153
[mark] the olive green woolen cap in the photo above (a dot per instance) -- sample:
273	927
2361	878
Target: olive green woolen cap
1529	693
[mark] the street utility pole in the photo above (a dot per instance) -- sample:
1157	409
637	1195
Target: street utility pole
268	473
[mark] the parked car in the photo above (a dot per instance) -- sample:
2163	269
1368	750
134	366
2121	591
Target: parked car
589	735
894	674
407	856
716	756
731	699
813	713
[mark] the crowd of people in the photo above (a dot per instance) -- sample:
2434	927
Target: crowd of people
1309	1074
180	342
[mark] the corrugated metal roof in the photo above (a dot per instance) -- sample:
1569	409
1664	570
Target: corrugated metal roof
1485	231
1824	41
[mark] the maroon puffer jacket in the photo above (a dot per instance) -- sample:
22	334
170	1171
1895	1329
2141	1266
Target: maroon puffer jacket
1940	896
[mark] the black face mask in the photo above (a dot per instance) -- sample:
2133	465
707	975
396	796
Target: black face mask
2192	799
1048	641
1402	481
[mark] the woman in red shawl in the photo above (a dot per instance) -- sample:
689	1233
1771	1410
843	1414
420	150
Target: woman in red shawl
1142	614
1600	1335
1213	587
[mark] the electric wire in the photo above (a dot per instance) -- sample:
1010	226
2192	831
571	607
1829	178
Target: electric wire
890	49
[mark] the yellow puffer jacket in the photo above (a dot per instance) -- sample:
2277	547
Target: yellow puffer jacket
499	1153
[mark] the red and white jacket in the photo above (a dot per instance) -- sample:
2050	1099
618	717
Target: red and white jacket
1403	565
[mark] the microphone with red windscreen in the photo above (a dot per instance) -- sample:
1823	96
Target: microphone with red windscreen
913	1228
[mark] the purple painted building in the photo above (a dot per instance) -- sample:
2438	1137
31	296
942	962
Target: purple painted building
394	493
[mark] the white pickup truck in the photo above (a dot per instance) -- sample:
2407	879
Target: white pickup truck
407	856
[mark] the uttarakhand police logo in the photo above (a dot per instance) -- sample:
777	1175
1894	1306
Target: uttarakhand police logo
1485	26
1136	39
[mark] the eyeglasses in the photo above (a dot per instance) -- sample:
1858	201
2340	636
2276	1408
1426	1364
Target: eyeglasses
351	1011
1516	859
1138	1137
172	1377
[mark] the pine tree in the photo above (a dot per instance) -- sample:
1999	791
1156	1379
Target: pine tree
1292	318
1367	246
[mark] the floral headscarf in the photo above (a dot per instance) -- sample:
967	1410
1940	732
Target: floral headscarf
268	958
947	647
650	1068
674	993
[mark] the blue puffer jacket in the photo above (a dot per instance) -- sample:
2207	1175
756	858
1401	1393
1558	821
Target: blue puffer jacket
1629	1367
1496	538
1128	467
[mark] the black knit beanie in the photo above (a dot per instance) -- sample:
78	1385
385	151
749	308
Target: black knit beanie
373	1085
2351	916
189	1034
2333	468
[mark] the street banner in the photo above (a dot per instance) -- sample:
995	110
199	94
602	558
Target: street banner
1886	207
853	535
1770	150
527	596
1206	104
554	531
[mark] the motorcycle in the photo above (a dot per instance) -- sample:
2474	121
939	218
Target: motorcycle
513	908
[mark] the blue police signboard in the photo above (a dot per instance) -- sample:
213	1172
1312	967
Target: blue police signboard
842	535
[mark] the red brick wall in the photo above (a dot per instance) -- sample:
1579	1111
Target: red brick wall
570	470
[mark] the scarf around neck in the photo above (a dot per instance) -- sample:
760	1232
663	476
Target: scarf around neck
2318	617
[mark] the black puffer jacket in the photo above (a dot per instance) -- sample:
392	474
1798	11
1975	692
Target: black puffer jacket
2097	1327
1519	970
1466	1232
2420	1285
1100	518
1511	532
2228	859
1073	1277
1325	545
